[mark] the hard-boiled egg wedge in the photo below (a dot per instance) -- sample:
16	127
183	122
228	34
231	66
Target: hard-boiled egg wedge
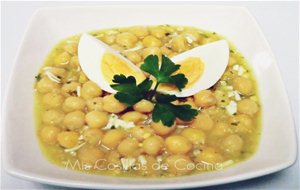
203	66
100	63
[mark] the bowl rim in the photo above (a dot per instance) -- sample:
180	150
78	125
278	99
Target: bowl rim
11	170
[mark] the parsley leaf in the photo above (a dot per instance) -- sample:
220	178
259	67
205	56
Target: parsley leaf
166	112
164	73
129	92
38	77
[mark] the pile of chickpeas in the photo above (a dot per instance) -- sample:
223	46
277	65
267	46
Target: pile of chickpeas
75	111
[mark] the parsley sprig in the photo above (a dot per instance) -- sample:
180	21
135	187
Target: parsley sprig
129	92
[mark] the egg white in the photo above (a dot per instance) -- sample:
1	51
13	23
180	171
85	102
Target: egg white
214	55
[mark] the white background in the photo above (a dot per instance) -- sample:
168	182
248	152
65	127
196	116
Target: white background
279	22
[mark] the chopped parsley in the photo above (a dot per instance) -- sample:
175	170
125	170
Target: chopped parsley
38	77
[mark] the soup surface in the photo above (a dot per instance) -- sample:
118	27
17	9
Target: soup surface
81	127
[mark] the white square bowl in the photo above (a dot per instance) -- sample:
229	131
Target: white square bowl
21	154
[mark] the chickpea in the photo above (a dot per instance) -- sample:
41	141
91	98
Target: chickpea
221	129
151	41
126	39
166	50
112	105
203	121
141	132
128	147
71	48
46	85
232	60
82	77
178	44
179	164
144	106
177	144
153	145
74	120
68	139
90	155
196	136
62	59
69	88
247	106
232	144
74	62
109	39
158	32
139	31
93	136
52	100
96	119
114	157
151	51
161	129
243	85
73	103
117	48
59	72
90	90
205	98
134	116
112	138
133	56
49	134
53	117
95	104
209	155
242	123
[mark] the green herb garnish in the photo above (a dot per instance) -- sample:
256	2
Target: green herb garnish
38	77
164	110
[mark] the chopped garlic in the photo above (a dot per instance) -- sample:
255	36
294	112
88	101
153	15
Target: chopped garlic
74	148
229	87
227	163
189	38
230	94
241	71
223	83
159	159
52	77
182	126
138	47
81	137
147	121
196	152
78	91
231	107
236	67
118	123
237	95
142	159
127	163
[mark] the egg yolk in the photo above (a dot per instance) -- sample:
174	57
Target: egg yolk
112	65
192	68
